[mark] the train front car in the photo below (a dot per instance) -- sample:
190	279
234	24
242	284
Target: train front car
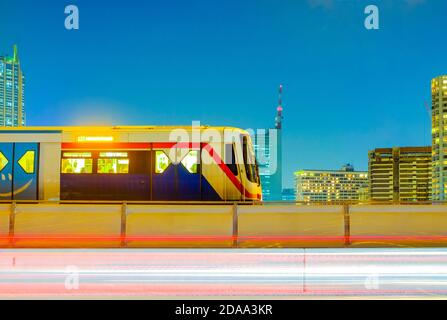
229	164
128	164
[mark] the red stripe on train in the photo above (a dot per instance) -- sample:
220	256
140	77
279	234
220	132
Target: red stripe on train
230	174
105	146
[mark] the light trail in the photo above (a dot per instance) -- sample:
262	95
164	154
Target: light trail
266	273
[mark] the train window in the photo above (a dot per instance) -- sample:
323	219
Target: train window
77	166
249	161
230	158
162	162
27	162
3	161
113	166
191	161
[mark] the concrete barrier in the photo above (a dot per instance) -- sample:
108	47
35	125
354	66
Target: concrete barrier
5	213
216	226
179	226
67	226
289	226
404	225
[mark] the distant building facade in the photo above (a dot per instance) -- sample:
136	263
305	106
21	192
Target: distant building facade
364	194
268	149
289	194
330	185
12	91
400	174
439	138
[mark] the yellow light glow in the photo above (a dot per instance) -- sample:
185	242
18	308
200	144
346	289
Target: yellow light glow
95	139
113	155
77	155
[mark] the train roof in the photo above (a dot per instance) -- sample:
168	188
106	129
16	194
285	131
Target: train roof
54	129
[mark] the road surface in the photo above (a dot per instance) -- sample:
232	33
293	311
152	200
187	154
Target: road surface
224	274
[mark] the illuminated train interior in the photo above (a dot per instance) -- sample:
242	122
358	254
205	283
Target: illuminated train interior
134	176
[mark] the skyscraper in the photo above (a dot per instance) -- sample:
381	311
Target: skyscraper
12	93
400	174
268	148
439	138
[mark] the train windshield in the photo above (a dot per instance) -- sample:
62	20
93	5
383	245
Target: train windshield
251	166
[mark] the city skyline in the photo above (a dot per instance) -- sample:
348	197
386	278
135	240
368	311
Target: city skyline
184	60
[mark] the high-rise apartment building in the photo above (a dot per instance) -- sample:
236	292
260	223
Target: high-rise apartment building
439	138
330	185
12	93
268	149
400	174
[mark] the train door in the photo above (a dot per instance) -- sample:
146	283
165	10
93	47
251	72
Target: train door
121	176
6	165
231	161
176	175
251	178
189	175
25	171
18	171
213	181
163	176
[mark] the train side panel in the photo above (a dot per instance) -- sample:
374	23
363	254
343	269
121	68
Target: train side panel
49	171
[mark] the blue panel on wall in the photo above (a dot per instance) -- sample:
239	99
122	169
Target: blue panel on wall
7	161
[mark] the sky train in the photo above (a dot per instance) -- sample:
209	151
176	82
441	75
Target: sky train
128	164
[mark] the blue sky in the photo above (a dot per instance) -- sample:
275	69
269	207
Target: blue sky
346	89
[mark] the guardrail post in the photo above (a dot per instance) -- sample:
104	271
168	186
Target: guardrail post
12	220
123	224
235	226
347	220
